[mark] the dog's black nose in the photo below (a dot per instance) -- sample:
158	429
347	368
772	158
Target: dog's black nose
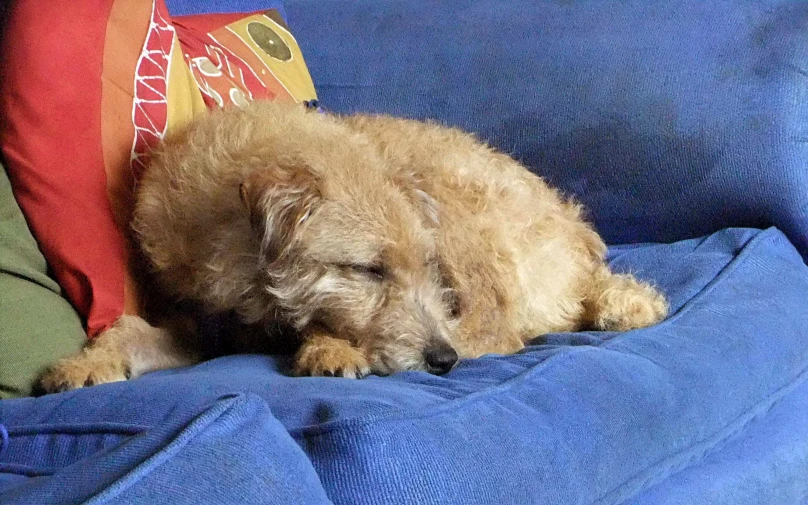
440	358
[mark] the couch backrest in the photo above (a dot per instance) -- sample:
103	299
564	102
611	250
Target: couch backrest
668	119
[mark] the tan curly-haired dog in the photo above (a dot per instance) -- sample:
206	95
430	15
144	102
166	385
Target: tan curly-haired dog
383	244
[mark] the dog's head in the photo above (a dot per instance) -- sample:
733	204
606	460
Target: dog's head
350	252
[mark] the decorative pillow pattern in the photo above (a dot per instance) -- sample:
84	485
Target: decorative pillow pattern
90	86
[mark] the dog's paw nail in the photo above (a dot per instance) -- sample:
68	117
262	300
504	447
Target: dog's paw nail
328	373
62	387
127	373
47	387
89	382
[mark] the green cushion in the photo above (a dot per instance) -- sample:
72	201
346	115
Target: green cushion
37	325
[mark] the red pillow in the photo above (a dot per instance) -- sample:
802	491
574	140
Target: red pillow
88	88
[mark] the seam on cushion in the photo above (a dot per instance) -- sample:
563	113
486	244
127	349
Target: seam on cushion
764	236
78	429
26	470
669	464
542	367
179	440
61	429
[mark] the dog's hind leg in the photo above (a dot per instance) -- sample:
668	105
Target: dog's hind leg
620	302
131	347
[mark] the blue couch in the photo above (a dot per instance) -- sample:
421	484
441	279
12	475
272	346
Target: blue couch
683	126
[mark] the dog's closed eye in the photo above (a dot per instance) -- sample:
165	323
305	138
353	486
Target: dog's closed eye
373	271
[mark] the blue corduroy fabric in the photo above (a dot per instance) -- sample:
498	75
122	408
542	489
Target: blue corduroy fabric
225	450
191	7
669	119
766	463
707	407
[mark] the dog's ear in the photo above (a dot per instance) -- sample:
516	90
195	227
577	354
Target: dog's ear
279	200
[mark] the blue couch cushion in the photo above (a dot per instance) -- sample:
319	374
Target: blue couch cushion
576	418
669	119
765	463
224	450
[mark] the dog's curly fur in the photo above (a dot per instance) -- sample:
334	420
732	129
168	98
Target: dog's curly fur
384	244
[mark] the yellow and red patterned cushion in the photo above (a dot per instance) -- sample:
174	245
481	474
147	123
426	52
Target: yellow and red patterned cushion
89	87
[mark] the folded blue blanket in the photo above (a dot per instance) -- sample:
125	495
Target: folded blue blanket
707	407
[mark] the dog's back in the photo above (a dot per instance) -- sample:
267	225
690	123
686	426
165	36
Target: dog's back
520	256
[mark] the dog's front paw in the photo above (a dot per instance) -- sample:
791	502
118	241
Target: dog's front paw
331	357
87	368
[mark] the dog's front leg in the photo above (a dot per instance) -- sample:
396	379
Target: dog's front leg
324	355
131	347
